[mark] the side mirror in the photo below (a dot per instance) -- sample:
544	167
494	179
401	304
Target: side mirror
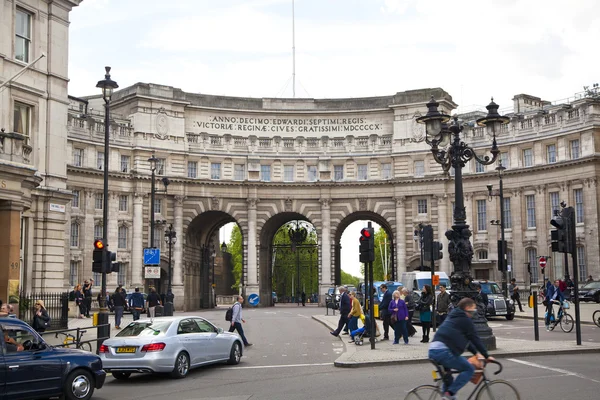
220	330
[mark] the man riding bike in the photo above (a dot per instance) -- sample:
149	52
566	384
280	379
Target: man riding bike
553	295
453	336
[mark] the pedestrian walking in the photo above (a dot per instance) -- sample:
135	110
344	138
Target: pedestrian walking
354	314
424	307
513	290
589	279
87	296
118	301
237	320
442	304
41	319
384	312
399	317
153	300
345	307
303	296
411	305
136	304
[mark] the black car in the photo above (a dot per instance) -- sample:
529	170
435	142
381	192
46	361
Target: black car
498	305
32	369
590	292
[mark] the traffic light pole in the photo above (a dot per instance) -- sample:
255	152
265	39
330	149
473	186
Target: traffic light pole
569	216
433	306
103	328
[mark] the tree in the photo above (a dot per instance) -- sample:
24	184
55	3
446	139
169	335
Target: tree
382	256
348	279
235	249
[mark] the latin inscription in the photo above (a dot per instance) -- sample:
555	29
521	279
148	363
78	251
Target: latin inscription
288	125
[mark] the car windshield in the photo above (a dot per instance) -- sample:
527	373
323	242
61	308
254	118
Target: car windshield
391	288
592	285
423	282
145	328
490	288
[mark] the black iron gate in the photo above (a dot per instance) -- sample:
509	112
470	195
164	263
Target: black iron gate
57	305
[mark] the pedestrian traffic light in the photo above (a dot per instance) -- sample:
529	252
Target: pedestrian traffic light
437	251
110	257
427	232
98	256
367	245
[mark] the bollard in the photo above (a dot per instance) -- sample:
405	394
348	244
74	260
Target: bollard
536	328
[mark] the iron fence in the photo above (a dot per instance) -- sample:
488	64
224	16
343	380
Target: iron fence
57	305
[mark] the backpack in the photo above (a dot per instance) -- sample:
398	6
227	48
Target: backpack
229	314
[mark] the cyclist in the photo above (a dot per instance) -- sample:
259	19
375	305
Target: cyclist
453	336
553	294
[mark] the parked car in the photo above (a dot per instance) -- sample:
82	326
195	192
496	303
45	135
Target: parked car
590	292
498	305
32	369
168	344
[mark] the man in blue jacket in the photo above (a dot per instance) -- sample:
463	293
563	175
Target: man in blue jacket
553	295
345	307
383	310
136	304
456	334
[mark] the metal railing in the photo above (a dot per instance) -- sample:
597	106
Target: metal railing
56	304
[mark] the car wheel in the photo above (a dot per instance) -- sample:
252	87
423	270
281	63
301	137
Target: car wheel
510	317
121	375
235	355
597	298
79	385
182	366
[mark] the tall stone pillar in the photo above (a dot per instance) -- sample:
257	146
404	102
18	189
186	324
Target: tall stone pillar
442	203
400	236
137	251
590	203
177	278
326	281
251	278
10	262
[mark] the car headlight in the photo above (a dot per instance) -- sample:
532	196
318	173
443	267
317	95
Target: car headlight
511	302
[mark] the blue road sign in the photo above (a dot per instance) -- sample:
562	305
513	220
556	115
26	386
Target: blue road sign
253	299
151	256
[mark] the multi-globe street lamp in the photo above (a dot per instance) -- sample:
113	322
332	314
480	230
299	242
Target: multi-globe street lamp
153	165
170	239
450	151
108	86
502	243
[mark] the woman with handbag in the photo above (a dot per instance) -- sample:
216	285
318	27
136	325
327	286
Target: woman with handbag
424	307
41	319
399	317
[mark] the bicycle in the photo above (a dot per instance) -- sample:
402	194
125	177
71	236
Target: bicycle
485	389
71	340
596	318
563	318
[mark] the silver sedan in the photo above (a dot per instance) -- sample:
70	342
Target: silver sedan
168	345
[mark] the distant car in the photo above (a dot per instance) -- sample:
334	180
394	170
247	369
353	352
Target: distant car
274	297
168	345
32	369
498	305
590	292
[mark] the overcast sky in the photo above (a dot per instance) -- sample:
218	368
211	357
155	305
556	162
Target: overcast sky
474	49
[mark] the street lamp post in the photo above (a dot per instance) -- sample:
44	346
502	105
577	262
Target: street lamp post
213	255
107	85
450	151
502	244
153	164
170	239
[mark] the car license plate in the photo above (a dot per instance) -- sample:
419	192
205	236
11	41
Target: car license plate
126	349
500	312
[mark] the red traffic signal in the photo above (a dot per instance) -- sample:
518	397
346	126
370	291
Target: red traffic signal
365	232
98	244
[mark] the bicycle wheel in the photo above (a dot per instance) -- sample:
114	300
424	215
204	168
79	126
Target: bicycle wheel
566	323
424	392
596	317
86	346
498	390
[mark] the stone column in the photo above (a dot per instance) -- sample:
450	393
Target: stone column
400	235
177	279
326	281
590	204
137	252
442	203
10	253
251	277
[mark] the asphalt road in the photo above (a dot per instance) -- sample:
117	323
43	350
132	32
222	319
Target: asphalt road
292	358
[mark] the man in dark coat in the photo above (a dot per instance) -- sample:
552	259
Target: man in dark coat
345	307
384	312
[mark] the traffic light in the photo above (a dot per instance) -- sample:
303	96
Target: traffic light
427	242
98	256
115	267
367	245
110	257
437	251
558	236
502	247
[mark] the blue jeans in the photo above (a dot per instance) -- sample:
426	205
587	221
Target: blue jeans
118	315
238	326
135	313
353	324
448	360
400	328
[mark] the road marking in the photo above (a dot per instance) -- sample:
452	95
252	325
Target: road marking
283	366
303	316
559	370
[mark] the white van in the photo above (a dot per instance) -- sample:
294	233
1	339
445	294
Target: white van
415	280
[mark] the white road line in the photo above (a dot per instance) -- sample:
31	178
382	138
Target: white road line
303	316
559	370
283	366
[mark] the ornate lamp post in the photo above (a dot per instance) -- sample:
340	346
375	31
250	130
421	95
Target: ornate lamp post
213	255
502	244
451	152
108	86
170	239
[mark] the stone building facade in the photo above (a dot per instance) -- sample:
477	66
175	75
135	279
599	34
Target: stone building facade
263	162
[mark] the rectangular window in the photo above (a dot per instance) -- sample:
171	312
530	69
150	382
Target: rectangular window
581	261
239	172
74	234
422	206
99	203
215	171
312	173
192	169
125	163
288	173
75	201
533	262
507	214
123	237
123	199
73	274
158	235
157	206
481	215
22	35
575	149
121	276
509	263
479	167
578	194
161	164
78	157
505	160
338	172
22	118
98	231
97	277
554	202
558	267
551	153
362	172
527	158
530	206
265	173
419	169
100	160
386	171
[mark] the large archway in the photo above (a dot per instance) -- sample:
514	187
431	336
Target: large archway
203	254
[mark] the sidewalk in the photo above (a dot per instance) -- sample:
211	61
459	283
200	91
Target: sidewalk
385	353
586	311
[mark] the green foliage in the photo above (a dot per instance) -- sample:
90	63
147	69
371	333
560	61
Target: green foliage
382	248
235	249
348	279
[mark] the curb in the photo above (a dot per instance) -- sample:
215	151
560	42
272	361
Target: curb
527	317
